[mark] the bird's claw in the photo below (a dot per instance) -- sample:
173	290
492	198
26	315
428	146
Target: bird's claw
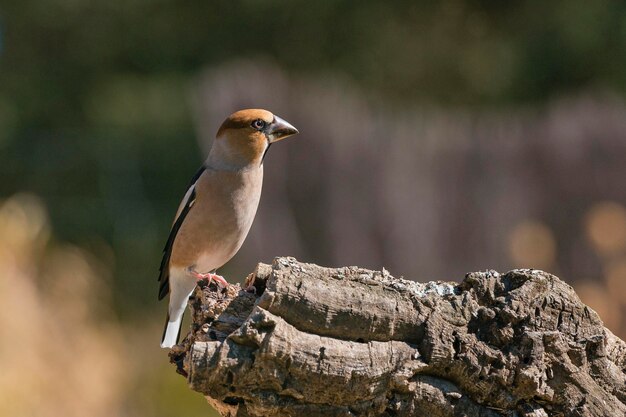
211	277
218	279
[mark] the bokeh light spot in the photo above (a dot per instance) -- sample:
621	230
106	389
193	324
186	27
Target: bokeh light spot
532	245
606	227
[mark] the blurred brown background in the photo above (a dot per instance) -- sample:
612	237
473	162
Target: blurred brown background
436	139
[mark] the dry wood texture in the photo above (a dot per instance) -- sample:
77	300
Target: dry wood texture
316	341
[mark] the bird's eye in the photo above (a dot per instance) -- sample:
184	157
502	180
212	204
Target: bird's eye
258	124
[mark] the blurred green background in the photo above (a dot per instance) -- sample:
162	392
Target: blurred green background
437	138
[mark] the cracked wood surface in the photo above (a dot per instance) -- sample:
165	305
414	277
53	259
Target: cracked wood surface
348	341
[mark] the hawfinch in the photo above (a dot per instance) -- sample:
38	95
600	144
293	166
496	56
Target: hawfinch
217	210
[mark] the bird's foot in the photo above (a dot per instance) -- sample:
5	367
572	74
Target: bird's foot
211	277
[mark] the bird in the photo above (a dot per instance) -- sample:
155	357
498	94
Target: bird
215	215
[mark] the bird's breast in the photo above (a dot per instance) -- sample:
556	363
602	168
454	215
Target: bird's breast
220	219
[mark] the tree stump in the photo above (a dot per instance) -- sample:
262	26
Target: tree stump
314	341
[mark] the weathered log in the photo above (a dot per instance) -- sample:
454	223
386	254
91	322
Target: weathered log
315	341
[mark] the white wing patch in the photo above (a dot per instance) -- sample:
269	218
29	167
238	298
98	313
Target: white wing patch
184	202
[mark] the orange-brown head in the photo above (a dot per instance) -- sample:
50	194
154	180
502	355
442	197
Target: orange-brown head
244	138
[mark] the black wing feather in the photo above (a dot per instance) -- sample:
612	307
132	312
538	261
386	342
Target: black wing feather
164	270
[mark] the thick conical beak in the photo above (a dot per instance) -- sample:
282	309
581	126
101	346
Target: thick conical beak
279	129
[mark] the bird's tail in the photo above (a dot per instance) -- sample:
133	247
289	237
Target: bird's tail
171	332
181	289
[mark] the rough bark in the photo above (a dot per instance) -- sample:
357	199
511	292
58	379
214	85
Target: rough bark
316	341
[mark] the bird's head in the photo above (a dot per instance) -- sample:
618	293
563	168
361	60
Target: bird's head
245	136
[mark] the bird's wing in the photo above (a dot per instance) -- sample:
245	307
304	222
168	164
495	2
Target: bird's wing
183	209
